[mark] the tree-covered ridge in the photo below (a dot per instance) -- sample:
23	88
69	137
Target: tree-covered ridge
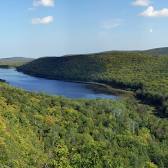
39	131
145	74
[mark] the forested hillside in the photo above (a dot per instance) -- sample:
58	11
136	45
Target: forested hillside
145	74
40	131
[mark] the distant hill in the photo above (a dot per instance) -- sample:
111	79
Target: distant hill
14	61
155	51
158	51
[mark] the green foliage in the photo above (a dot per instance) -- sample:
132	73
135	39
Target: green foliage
40	131
147	75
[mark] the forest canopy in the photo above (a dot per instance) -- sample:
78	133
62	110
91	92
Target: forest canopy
42	131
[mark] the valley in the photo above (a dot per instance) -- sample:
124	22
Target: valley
92	127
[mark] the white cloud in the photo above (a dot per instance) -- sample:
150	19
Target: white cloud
46	3
45	20
110	24
141	2
151	12
151	30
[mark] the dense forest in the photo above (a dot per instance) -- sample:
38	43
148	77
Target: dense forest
40	131
144	73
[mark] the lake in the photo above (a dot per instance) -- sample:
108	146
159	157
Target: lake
51	87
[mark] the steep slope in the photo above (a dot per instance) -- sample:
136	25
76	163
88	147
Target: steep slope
38	131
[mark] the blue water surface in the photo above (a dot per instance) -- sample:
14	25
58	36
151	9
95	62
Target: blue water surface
51	87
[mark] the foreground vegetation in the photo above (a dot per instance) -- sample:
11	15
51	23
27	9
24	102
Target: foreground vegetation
147	75
40	131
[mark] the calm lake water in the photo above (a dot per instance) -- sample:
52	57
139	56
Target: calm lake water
51	87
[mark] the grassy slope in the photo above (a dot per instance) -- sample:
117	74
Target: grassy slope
42	131
146	74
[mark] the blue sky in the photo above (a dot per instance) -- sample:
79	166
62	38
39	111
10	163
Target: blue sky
36	28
